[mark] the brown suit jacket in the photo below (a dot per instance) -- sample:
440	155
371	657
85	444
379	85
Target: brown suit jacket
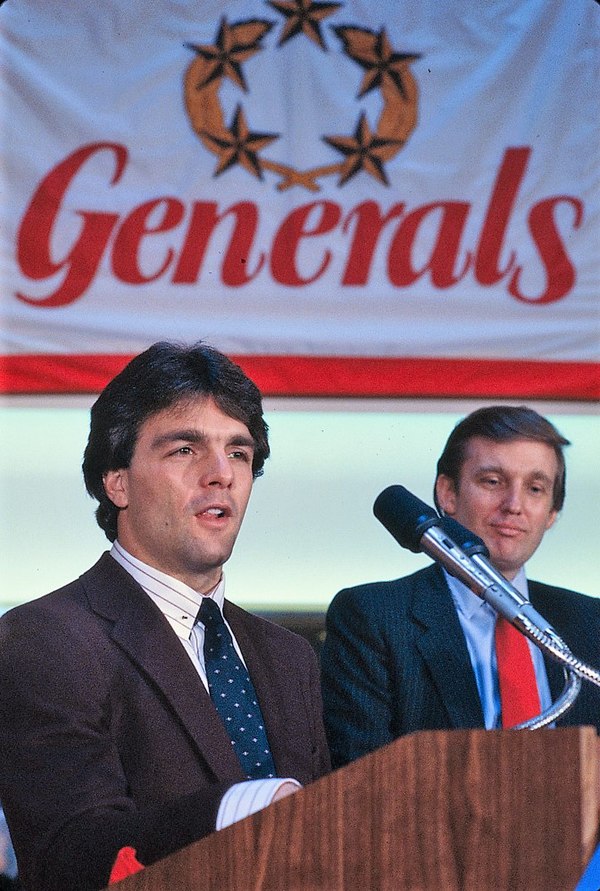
109	738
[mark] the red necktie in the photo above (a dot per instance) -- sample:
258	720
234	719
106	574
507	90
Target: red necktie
519	695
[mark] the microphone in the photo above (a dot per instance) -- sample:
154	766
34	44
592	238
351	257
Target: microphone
501	595
416	526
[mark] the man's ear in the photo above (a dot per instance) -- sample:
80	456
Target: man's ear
445	493
115	486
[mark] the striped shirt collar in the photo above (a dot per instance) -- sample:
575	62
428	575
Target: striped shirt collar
177	601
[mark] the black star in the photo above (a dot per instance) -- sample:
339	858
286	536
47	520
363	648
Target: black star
374	53
362	152
234	44
304	16
240	146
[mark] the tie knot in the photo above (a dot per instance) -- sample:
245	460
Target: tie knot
209	612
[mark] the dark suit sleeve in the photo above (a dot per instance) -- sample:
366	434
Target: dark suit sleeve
356	679
62	783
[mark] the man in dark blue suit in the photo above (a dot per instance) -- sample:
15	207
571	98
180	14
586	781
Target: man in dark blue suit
418	653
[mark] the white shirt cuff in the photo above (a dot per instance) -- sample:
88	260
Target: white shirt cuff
246	798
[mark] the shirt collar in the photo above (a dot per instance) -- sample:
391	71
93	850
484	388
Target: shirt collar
468	603
177	601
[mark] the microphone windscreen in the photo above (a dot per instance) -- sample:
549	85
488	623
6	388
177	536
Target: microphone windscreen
404	516
463	537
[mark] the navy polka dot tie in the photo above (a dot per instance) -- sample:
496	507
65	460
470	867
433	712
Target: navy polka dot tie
233	695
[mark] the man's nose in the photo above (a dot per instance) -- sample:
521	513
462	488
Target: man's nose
513	499
216	469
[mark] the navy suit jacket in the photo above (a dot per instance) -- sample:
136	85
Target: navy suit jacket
395	660
109	738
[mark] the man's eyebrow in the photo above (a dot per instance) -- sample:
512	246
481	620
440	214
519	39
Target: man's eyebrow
183	435
198	436
540	475
241	439
490	468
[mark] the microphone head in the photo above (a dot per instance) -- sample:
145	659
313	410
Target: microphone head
404	516
466	540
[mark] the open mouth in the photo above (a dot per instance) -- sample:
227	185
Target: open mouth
217	511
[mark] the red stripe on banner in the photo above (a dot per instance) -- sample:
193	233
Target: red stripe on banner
333	376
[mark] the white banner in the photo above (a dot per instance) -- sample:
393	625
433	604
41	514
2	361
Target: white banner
353	197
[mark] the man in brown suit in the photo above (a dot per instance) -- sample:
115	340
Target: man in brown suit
109	738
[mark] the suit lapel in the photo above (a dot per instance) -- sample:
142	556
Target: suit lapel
272	687
442	645
143	633
554	671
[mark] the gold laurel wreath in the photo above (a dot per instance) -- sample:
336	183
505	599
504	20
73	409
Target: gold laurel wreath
385	70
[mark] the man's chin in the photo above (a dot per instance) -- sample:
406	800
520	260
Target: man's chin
509	567
213	561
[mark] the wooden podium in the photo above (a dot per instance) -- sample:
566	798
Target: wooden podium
435	811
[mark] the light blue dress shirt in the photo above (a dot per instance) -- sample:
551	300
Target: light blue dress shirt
478	620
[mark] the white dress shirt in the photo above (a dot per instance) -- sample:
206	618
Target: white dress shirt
180	604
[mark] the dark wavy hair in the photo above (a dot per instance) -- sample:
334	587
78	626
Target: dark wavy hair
502	423
164	375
